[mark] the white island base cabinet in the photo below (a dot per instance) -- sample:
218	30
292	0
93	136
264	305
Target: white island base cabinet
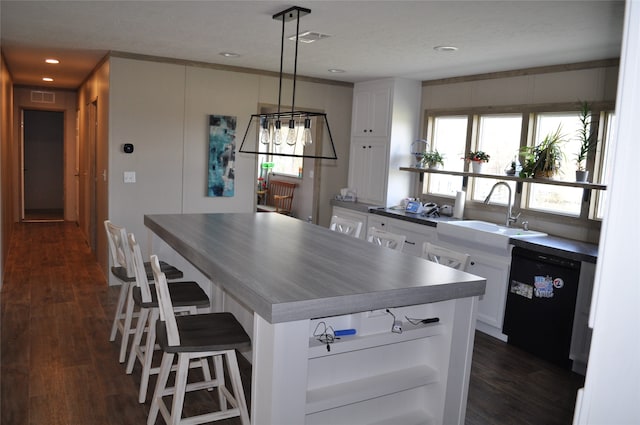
419	376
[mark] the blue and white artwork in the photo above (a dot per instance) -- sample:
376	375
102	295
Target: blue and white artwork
222	153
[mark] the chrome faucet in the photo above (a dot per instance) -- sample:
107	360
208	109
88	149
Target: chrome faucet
510	219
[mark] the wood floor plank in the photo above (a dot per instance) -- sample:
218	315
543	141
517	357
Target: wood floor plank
58	366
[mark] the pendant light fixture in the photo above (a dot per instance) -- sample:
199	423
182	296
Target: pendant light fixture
281	129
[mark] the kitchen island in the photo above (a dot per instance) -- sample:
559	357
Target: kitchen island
296	278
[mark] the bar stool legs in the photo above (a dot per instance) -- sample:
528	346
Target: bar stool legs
230	405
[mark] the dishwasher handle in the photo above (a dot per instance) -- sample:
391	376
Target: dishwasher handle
541	257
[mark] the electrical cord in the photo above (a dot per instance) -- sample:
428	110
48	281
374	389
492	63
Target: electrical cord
417	322
327	336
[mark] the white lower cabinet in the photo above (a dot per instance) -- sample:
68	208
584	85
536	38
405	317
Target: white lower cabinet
378	221
495	269
581	334
368	180
491	306
417	235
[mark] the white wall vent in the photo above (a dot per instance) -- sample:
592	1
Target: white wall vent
38	96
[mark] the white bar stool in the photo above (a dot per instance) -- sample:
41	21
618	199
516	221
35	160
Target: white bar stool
215	335
123	271
186	298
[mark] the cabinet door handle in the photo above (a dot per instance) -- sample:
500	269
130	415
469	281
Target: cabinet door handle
472	263
409	242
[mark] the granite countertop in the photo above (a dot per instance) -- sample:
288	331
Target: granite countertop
551	245
285	269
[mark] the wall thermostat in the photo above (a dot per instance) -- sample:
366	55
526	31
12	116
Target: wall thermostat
127	148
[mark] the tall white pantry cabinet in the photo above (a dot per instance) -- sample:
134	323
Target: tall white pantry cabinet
385	122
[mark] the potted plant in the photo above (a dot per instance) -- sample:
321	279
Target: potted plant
544	159
433	159
476	159
587	143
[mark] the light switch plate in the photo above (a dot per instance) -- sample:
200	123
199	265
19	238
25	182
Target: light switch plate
129	176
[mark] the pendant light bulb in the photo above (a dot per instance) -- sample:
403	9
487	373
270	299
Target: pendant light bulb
277	134
264	132
306	134
292	136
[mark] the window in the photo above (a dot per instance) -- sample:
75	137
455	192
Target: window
558	199
501	133
499	136
449	137
283	165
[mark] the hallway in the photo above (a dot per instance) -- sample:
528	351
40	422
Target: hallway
59	368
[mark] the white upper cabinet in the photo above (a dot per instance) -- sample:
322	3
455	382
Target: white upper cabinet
371	112
385	121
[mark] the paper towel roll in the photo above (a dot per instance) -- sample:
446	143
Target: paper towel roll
458	208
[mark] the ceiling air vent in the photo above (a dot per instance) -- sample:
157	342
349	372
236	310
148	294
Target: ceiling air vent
38	96
309	37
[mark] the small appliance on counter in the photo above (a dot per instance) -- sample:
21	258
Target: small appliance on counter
446	210
428	209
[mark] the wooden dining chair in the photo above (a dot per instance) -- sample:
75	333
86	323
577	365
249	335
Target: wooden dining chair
200	336
346	226
279	197
445	256
386	239
123	270
186	297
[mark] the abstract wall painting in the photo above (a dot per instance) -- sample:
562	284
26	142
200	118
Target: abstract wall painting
222	152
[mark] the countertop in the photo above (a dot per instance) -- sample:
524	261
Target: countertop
551	245
285	269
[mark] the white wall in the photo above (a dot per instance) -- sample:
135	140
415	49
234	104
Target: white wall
596	84
163	109
611	393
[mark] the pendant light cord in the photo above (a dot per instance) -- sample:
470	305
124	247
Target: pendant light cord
295	65
281	65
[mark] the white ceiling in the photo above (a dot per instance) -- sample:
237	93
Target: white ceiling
369	39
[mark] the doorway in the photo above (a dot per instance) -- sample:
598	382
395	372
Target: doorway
42	165
304	172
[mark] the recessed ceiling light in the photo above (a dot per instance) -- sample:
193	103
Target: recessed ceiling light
229	54
308	37
52	60
445	48
47	79
336	71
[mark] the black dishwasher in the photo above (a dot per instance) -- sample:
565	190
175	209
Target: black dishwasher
541	300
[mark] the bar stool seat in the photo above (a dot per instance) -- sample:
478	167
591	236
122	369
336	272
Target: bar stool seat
172	272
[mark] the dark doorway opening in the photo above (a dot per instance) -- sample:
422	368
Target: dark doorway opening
43	166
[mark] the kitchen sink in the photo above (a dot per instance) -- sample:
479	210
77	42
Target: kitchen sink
481	234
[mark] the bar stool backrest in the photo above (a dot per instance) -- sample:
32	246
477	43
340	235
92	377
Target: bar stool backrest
138	266
120	252
346	226
386	239
164	303
445	256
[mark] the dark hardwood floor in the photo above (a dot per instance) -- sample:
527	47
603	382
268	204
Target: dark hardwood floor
59	368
